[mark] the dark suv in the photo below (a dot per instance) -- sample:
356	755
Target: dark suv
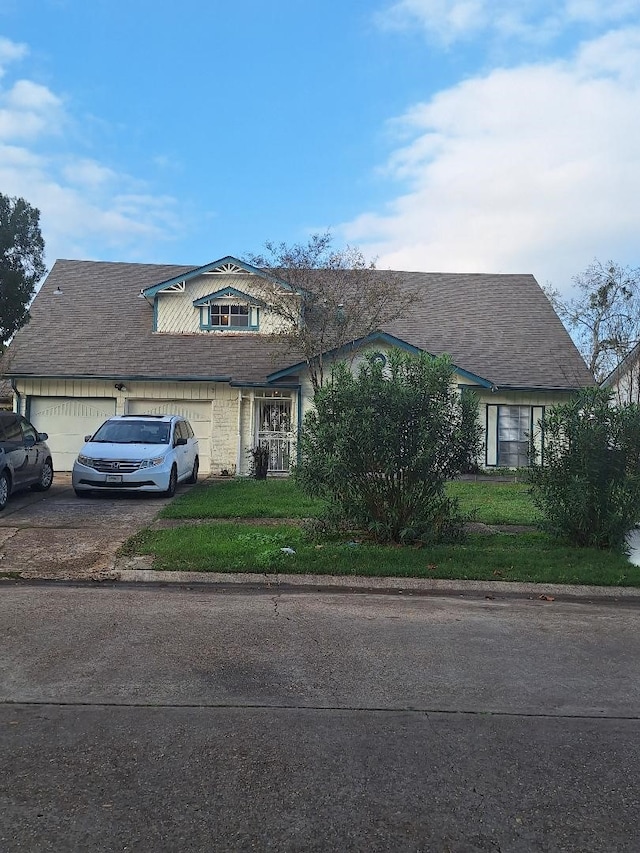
25	458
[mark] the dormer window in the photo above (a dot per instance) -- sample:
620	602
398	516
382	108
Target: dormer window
229	316
229	310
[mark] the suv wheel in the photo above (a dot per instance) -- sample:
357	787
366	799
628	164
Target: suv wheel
5	489
46	478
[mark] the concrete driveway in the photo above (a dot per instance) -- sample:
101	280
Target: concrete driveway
57	535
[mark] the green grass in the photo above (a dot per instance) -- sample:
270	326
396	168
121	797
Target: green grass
225	547
272	498
221	546
495	502
490	502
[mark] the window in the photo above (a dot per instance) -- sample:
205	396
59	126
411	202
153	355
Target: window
509	432
12	431
28	431
229	316
514	429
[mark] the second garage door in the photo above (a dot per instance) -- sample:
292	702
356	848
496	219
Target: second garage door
197	413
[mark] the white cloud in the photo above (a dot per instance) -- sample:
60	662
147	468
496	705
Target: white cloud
531	169
87	208
534	20
10	51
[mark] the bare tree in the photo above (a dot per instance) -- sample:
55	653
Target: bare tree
336	297
604	316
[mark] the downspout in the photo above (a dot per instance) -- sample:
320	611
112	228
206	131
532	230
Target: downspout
18	399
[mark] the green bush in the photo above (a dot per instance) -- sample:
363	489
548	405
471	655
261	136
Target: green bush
383	441
587	485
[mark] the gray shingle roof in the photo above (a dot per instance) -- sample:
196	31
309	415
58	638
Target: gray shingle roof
499	327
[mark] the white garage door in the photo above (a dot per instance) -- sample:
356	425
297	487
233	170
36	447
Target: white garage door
68	420
197	413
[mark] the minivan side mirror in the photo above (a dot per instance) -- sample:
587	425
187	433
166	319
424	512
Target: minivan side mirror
43	436
180	442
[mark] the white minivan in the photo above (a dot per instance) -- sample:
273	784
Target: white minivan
145	453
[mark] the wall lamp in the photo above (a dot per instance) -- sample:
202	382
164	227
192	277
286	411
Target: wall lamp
120	386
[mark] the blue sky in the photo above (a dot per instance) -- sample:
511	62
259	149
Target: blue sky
453	135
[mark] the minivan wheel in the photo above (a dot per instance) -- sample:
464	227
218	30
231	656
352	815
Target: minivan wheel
193	476
46	478
173	482
5	489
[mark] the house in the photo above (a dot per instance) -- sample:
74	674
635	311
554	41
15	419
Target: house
109	338
624	379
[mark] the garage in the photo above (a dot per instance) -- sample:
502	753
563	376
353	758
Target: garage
198	414
67	420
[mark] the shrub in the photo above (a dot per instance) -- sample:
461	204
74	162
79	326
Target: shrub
587	485
383	441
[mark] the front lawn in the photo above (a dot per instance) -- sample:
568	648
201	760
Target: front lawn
214	544
227	547
490	502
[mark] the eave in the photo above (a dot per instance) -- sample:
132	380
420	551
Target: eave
377	337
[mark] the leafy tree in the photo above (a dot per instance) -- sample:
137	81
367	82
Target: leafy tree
382	442
341	296
21	262
604	317
587	486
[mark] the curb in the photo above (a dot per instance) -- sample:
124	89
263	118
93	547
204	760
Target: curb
389	585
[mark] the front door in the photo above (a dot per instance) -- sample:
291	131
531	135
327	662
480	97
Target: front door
274	431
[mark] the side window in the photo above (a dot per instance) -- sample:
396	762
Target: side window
12	431
27	430
179	431
189	429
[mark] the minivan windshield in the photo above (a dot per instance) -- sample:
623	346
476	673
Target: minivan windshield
133	432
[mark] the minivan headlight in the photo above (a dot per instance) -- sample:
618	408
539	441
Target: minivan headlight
86	460
151	463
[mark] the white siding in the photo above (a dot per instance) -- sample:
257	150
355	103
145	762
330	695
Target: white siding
177	314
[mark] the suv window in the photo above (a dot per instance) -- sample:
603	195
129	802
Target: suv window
27	430
11	429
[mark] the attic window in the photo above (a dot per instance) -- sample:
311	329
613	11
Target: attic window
221	315
229	316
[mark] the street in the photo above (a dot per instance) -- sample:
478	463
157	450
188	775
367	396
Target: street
165	718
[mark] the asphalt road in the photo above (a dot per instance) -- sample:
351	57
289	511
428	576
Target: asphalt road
168	719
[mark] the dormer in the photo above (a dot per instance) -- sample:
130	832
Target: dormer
229	309
223	297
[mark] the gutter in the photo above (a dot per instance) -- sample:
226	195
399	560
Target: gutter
18	397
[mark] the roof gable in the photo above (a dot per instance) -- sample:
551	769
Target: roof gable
227	293
375	337
223	266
